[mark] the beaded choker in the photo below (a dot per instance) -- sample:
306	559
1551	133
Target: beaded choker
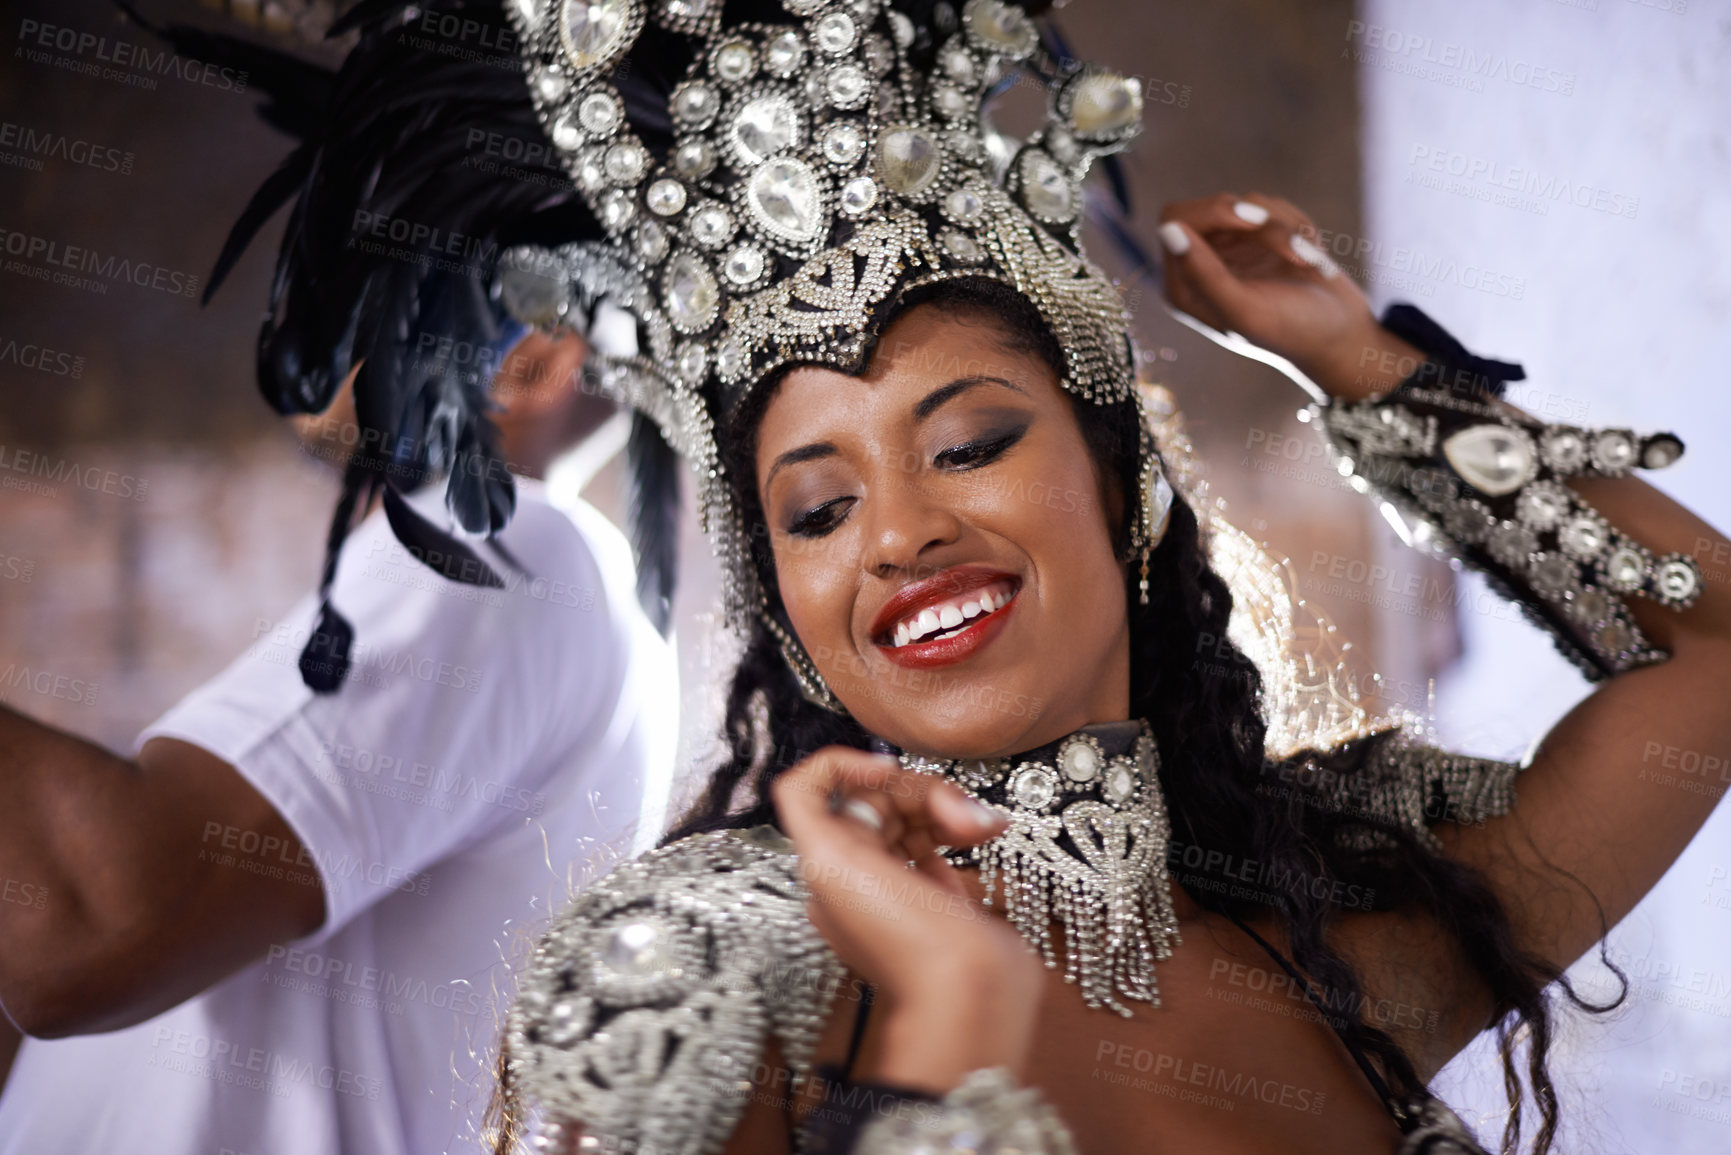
1086	846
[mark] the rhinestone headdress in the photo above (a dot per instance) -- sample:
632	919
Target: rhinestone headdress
803	176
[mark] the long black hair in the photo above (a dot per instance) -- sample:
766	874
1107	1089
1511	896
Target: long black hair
1202	697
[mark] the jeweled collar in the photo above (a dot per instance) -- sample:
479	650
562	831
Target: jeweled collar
1086	846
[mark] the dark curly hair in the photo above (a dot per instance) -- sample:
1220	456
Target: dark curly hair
1202	698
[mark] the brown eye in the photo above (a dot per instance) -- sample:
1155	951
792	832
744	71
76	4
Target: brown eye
982	451
819	520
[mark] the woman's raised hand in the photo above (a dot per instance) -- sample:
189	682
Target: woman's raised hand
1254	265
959	987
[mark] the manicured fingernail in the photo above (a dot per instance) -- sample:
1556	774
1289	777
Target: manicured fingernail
981	813
1311	255
1250	213
1173	236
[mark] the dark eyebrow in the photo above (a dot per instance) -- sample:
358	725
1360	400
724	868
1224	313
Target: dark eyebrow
954	389
804	453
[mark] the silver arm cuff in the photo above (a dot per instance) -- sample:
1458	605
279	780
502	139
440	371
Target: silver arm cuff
1475	482
986	1115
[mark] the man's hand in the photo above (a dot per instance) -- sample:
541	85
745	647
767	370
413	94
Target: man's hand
152	879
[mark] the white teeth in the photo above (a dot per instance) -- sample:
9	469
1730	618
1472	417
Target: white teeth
947	616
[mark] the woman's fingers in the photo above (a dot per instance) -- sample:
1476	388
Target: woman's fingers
834	784
1198	281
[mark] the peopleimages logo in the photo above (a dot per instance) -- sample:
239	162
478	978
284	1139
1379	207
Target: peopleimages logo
124	61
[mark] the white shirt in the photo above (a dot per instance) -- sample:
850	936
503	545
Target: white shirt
488	751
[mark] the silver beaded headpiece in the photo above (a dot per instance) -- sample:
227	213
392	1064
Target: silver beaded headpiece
813	177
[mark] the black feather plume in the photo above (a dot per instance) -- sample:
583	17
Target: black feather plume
654	513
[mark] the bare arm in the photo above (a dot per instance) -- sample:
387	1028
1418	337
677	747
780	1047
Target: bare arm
148	876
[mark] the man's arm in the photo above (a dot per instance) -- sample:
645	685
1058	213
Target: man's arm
149	880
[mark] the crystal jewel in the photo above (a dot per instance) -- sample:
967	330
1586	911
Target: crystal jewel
1614	637
1584	537
949	101
843	143
1002	28
617	210
550	86
711	226
907	159
784	194
1105	105
529	12
686	9
764	127
666	197
691	293
902	28
1625	568
964	204
743	265
859	195
735	61
1662	449
1542	505
1035	787
692	359
961	246
834	33
694	160
566	133
783	54
592	30
1493	459
598	113
651	241
1591	606
959	63
1677	580
696	104
1565	450
847	86
1511	543
1120	784
1046	188
637	949
625	162
730	358
1079	761
1613	450
534	297
1552	573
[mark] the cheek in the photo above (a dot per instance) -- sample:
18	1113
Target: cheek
815	578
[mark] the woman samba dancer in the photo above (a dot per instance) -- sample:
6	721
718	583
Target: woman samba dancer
925	904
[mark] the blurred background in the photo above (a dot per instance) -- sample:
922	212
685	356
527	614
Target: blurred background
1550	179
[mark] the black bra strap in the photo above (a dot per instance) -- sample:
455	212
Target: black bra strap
867	996
1358	1055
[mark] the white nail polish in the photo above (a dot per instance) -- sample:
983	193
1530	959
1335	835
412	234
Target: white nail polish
1172	235
1250	213
1311	255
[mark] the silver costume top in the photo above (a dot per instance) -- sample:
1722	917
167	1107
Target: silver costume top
644	1013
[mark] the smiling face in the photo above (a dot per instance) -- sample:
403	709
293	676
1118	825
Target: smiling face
943	542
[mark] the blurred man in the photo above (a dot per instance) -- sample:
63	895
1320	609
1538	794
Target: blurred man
285	924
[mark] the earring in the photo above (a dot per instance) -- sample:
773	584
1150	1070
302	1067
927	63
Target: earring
1156	512
812	687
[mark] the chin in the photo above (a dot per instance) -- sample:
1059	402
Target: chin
947	717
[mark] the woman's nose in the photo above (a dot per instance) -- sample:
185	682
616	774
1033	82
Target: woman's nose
905	523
